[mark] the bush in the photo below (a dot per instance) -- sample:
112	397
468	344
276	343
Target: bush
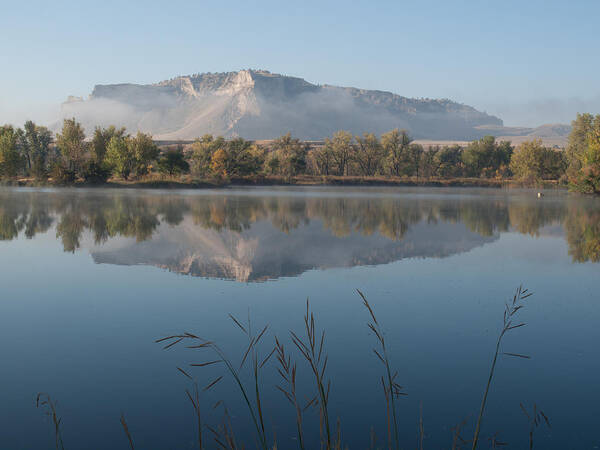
94	172
61	174
172	162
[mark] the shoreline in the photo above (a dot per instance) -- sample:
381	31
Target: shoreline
303	180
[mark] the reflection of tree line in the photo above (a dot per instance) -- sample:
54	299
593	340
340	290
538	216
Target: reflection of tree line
106	217
583	234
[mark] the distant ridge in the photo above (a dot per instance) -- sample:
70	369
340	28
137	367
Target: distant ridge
257	104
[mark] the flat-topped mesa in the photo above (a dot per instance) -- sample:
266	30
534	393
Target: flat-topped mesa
257	104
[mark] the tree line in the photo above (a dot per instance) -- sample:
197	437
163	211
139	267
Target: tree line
111	152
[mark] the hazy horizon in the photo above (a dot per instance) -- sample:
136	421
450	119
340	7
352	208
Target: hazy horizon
525	63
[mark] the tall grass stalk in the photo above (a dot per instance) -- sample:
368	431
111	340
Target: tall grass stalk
392	390
287	371
511	308
45	401
194	398
255	410
312	351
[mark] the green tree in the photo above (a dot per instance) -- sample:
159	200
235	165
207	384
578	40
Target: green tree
36	149
322	161
577	142
144	151
448	162
272	163
119	156
396	145
587	178
526	161
239	158
71	143
369	154
201	153
428	164
218	164
341	149
415	152
291	154
258	155
10	158
172	162
102	137
486	157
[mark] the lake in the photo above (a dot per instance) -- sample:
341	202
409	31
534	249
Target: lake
91	278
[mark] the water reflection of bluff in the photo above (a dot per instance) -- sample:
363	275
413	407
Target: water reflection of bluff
269	235
263	252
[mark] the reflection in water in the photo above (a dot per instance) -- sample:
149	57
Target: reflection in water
263	236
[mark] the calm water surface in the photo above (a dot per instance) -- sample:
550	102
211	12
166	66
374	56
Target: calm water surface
90	278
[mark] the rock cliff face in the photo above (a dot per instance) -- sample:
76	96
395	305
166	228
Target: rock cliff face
261	105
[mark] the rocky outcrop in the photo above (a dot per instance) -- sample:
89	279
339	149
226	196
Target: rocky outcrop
261	105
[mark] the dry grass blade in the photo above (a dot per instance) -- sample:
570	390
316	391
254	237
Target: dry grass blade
173	343
127	433
212	383
167	338
267	358
367	305
545	418
185	373
238	324
457	440
209	363
203	345
535	419
517	355
260	335
247	352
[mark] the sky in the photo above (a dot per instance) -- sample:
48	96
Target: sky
528	62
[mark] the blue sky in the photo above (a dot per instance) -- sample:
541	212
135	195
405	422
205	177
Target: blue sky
529	62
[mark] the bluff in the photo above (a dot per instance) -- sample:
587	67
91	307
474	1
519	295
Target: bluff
257	104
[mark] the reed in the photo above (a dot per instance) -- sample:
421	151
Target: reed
312	351
44	400
510	310
287	371
535	419
391	389
312	348
194	398
254	408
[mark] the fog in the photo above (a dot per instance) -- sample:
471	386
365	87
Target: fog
542	111
268	106
262	114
